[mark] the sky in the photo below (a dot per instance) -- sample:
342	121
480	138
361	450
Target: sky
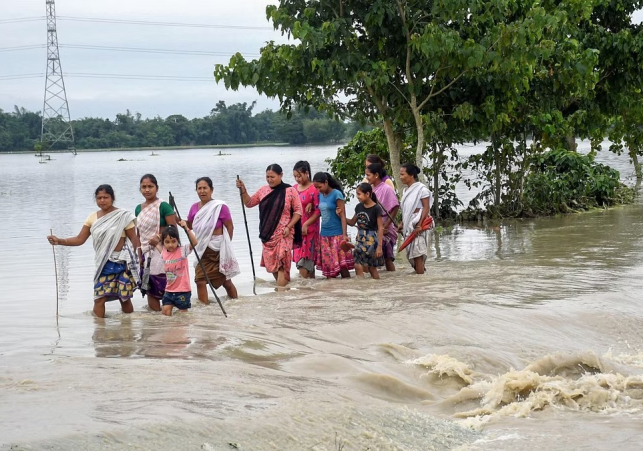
97	97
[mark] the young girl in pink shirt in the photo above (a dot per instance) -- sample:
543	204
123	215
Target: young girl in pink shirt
178	292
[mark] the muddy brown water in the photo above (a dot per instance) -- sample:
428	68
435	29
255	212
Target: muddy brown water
524	335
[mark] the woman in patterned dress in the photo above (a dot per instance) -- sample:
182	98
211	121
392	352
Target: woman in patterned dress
279	227
306	255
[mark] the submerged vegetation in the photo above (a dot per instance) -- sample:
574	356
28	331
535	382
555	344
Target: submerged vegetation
528	78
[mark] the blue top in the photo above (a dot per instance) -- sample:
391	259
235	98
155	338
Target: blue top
331	224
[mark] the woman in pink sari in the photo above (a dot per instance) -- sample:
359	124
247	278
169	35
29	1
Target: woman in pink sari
279	222
388	200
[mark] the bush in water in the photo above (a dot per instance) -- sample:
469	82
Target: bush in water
560	180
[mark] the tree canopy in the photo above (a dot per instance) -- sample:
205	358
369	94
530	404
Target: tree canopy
522	75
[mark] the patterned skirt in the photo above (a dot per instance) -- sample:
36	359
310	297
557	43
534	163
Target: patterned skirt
365	248
115	283
332	259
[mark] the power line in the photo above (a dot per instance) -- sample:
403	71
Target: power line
162	24
147	50
115	76
21	19
22	47
20	76
140	77
124	49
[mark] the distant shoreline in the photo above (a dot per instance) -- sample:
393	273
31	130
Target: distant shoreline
138	149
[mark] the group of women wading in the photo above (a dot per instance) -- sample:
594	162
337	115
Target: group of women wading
305	224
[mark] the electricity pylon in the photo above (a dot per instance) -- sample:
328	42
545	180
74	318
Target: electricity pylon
56	121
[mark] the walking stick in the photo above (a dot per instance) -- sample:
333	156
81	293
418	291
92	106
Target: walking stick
173	204
387	214
245	220
53	249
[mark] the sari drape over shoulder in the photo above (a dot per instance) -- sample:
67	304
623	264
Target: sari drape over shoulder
148	224
412	201
203	226
277	248
106	233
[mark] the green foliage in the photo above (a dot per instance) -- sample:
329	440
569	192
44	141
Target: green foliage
560	180
234	124
348	167
437	74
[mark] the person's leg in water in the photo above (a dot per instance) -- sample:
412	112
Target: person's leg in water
202	291
282	281
99	307
390	266
126	307
167	310
418	264
153	303
359	271
374	273
230	289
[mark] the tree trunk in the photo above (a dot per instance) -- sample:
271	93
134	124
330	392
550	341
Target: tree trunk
394	153
496	159
571	143
437	163
637	166
419	150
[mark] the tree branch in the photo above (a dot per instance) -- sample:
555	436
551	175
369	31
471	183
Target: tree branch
441	90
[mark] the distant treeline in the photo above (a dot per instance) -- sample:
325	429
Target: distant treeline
234	124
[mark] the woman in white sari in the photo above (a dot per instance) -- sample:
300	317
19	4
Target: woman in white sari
416	206
152	217
116	264
212	224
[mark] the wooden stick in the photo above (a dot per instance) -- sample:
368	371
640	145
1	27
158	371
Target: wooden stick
252	263
173	204
53	249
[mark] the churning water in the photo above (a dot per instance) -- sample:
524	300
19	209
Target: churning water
526	335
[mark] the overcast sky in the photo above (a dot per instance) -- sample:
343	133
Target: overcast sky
106	97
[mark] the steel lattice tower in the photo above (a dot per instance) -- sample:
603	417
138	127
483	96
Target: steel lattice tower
56	121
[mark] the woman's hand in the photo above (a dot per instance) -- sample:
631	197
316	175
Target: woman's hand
378	251
400	228
346	238
183	224
156	239
304	229
309	208
54	240
286	231
241	185
418	228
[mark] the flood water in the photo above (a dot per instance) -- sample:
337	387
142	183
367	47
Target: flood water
523	335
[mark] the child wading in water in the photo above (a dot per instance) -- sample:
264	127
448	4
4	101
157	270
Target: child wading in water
370	234
175	259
